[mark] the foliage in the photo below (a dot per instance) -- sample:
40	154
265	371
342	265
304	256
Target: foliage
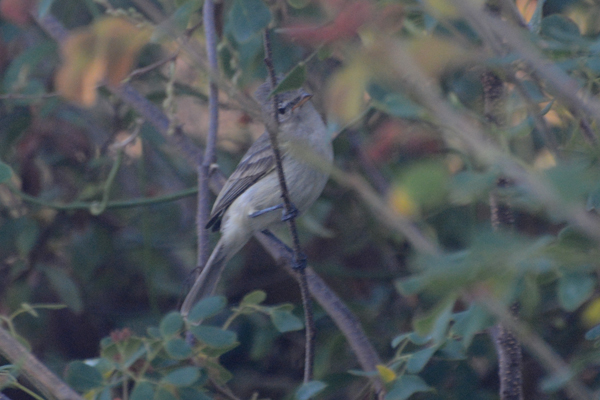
97	209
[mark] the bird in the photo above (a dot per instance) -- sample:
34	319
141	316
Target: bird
250	201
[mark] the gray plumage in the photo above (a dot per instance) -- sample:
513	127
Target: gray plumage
254	185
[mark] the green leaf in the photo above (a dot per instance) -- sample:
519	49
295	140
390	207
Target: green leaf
418	360
142	391
574	289
285	321
309	389
593	333
164	394
573	180
132	357
171	324
292	81
410	286
298	4
44	7
105	394
65	287
571	237
178	349
425	182
192	394
453	350
153	332
469	186
182	377
556	381
560	28
175	24
82	377
407	385
27	236
470	322
395	104
535	24
398	105
5	172
206	308
214	337
435	323
399	339
247	18
253	298
27	61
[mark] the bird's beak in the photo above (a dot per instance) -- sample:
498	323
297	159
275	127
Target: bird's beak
305	97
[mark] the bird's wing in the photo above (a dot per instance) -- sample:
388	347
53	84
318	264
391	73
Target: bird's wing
256	163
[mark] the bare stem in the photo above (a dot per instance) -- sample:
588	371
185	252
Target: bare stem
343	317
208	15
36	372
272	129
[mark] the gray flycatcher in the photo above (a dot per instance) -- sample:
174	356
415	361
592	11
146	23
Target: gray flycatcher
250	200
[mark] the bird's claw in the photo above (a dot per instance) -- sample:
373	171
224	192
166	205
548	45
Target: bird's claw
290	214
299	263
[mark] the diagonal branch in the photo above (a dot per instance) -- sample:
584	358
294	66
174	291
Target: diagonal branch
36	372
345	320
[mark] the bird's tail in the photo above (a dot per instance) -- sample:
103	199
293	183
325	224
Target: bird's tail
206	282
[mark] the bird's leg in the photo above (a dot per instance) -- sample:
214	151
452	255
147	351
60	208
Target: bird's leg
286	216
266	210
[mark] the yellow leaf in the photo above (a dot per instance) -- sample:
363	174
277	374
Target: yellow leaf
403	203
104	51
435	54
442	8
346	94
544	160
591	315
385	373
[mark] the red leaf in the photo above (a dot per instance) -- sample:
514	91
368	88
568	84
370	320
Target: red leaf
344	26
17	11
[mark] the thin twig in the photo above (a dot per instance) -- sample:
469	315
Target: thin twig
335	308
21	96
343	317
272	129
86	205
141	71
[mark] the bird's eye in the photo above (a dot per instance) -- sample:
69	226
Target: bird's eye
281	110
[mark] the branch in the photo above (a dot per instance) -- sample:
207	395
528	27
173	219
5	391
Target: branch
538	347
343	317
345	320
508	347
36	372
202	213
272	126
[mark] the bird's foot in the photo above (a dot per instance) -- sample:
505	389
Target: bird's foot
299	263
290	214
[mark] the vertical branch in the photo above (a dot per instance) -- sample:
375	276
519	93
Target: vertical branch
507	344
272	126
208	16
